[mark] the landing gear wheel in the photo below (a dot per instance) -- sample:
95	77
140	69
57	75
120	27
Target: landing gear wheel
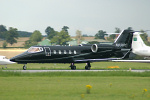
87	67
73	67
24	67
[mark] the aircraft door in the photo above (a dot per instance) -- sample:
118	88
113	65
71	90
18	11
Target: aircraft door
47	51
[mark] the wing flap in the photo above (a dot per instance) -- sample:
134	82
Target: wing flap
102	59
96	60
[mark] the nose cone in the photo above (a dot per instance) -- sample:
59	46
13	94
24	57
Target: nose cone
19	58
13	59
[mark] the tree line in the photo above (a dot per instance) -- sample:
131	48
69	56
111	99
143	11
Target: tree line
101	35
9	35
56	38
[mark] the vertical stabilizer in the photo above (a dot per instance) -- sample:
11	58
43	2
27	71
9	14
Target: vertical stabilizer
124	40
137	42
139	47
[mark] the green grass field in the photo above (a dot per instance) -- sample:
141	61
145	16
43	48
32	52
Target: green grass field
120	85
96	65
71	88
113	85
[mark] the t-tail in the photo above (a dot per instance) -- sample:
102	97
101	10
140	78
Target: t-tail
124	40
137	41
138	45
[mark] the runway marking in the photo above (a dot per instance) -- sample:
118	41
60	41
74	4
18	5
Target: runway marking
34	71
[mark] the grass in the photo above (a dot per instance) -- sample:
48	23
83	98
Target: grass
112	85
75	74
96	65
71	88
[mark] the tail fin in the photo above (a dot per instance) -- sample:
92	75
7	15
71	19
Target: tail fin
137	41
124	40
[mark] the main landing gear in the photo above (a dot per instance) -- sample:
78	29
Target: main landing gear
73	67
87	67
24	67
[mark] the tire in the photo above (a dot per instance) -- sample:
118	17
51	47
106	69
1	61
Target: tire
73	67
87	68
24	67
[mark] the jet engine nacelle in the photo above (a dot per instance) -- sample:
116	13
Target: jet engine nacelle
94	48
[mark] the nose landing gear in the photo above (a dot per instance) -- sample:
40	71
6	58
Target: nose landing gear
24	67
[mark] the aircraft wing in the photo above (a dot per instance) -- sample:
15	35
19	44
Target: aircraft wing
140	61
102	59
97	60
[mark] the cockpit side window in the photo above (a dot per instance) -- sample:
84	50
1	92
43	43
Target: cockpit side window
5	58
35	49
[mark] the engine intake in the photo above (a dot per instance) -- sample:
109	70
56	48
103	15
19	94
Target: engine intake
94	48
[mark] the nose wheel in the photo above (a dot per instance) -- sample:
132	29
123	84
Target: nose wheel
24	67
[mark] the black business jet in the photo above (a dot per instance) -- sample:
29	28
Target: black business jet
78	54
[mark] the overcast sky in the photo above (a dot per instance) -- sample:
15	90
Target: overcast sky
88	16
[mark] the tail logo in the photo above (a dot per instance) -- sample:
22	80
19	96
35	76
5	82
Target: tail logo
135	39
121	45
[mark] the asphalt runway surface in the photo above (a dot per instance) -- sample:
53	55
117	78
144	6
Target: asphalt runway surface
34	71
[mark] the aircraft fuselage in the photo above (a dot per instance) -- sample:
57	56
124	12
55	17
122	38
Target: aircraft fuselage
78	54
65	54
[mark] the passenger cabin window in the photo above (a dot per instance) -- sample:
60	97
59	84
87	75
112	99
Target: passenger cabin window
65	52
35	49
59	51
54	51
70	52
75	52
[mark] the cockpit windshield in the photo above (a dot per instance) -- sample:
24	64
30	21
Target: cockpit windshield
35	49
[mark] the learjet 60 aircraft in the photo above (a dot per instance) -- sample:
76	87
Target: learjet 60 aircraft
78	54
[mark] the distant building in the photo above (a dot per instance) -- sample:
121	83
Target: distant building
45	42
89	39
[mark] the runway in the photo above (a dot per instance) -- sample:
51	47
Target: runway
34	71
